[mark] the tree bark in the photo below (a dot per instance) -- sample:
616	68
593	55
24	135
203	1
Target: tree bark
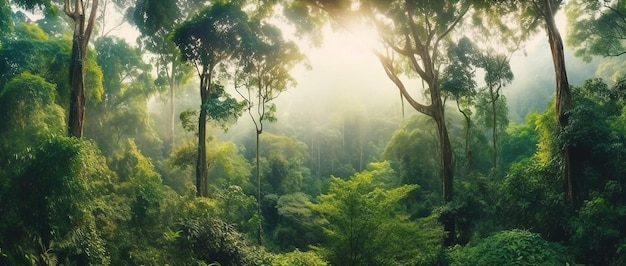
563	101
201	163
258	180
171	123
494	129
468	129
83	27
77	84
447	174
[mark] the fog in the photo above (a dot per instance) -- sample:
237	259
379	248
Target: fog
344	76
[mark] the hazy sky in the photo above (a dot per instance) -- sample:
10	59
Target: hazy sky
344	71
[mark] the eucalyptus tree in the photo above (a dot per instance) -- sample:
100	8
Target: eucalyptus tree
414	35
263	74
210	40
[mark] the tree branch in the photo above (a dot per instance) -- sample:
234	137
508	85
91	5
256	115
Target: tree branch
389	70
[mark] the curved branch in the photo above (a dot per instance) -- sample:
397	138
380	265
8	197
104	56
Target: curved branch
389	70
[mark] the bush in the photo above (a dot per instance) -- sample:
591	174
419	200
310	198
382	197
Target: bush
298	258
512	247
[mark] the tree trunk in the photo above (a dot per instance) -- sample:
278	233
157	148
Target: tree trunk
494	130
201	163
468	151
82	32
171	123
258	180
77	83
446	169
563	101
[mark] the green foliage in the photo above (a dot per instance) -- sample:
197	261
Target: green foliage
412	167
221	108
518	142
206	240
458	76
293	225
212	35
598	231
298	258
28	107
513	247
282	163
596	27
34	52
365	225
49	203
531	198
123	108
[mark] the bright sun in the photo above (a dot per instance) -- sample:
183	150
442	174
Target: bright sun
359	41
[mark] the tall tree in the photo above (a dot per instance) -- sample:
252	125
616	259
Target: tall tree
83	13
84	23
497	75
156	19
414	35
533	14
264	75
207	40
458	80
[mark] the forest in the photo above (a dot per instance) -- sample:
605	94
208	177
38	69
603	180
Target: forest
312	132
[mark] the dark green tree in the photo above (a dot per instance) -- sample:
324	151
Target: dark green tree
208	40
262	76
365	224
156	19
458	80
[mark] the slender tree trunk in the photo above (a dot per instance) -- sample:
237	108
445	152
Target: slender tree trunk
494	130
77	83
83	28
468	151
258	181
563	102
201	163
171	123
446	169
319	160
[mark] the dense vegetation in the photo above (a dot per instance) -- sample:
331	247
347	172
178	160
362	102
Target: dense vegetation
148	175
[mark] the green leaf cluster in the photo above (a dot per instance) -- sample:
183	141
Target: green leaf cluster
365	224
512	247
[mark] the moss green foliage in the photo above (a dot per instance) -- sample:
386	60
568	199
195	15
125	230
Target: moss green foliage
513	247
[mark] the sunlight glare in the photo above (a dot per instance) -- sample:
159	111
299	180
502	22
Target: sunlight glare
366	37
